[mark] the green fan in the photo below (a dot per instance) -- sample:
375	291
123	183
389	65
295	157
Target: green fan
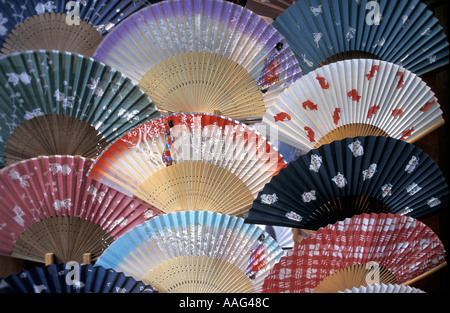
54	102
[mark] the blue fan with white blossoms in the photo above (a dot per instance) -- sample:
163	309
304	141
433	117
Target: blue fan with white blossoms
75	26
373	174
403	32
71	277
195	252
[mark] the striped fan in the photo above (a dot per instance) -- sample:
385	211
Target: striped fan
351	176
359	251
190	162
61	103
271	9
195	252
403	32
75	26
359	97
71	277
202	56
383	288
49	206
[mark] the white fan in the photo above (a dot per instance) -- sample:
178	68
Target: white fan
359	97
383	288
195	251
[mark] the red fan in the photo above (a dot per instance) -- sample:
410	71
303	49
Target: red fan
359	251
48	205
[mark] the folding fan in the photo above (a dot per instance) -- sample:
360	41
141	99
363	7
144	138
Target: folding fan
195	252
75	26
48	205
269	8
202	56
403	32
71	277
61	103
359	251
383	288
351	176
190	162
359	97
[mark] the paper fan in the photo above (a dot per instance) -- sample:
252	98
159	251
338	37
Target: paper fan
359	97
71	277
48	205
195	252
351	176
62	103
202	56
402	32
75	26
272	8
359	251
383	288
190	162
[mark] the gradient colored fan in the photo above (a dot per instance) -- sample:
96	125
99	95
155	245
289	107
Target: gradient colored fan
190	162
195	252
62	103
348	177
402	32
359	251
359	97
71	277
383	288
48	205
269	8
74	26
202	56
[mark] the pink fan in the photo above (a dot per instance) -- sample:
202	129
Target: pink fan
359	251
49	205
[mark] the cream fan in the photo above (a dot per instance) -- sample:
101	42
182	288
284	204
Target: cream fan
202	56
75	26
383	288
190	162
365	250
54	102
359	97
195	252
48	205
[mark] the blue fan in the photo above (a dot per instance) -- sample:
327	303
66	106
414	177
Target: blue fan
352	176
403	32
79	25
71	277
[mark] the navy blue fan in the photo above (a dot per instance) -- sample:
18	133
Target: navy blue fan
404	32
348	177
74	26
71	277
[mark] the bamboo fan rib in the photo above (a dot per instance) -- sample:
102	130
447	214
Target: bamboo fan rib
74	26
270	9
71	277
195	251
48	205
56	102
190	162
370	248
352	98
202	52
372	174
383	288
401	32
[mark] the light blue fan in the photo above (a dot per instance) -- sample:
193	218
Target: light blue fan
195	251
71	277
65	103
404	32
23	22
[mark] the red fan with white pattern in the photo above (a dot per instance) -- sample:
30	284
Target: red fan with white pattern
359	251
358	97
48	205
